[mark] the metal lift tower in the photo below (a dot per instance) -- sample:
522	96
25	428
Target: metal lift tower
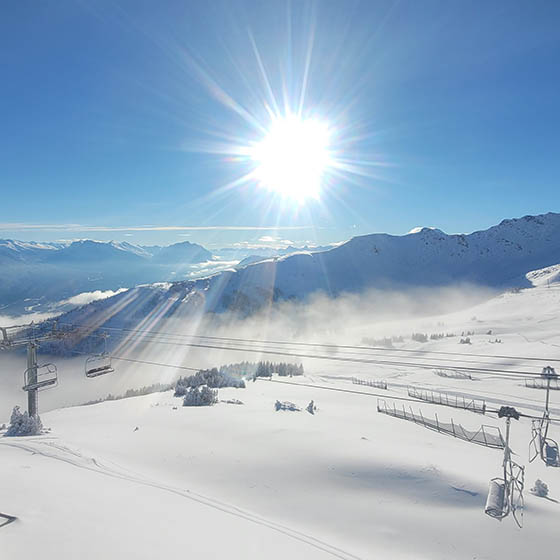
36	377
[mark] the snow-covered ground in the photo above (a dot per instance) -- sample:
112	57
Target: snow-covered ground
147	478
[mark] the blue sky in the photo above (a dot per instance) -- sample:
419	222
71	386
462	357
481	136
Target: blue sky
120	115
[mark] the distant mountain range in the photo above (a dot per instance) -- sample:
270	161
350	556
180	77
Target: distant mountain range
499	257
35	276
87	251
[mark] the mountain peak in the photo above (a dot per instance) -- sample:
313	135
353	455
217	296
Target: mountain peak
426	229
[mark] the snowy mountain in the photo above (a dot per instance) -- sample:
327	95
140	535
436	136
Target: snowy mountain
34	276
181	252
12	251
382	473
88	251
499	257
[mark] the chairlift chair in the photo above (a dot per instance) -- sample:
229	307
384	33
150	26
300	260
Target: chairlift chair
497	503
542	446
551	455
47	377
99	364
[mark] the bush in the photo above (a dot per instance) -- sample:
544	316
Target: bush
21	424
540	488
286	405
200	396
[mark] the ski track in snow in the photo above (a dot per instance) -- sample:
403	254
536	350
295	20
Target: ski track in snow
50	448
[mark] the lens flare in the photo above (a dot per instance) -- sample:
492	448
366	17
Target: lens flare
293	157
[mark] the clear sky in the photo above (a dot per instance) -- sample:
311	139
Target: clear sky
130	114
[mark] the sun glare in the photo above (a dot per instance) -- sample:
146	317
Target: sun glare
293	157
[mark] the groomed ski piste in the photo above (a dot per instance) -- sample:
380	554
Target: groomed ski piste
145	477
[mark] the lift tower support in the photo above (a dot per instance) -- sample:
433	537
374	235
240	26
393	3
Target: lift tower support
31	336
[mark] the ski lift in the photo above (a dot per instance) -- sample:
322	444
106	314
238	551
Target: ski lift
505	495
99	364
46	377
543	446
497	505
551	455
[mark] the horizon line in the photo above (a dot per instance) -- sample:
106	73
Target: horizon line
6	226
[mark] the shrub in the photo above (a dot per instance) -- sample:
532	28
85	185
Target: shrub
200	396
21	424
286	405
540	488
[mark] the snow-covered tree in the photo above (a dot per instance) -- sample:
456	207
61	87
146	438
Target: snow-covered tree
21	424
200	396
210	377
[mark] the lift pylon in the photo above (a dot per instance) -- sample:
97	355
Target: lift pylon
35	377
505	495
541	445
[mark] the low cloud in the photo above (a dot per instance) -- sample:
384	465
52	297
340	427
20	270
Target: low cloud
87	297
264	242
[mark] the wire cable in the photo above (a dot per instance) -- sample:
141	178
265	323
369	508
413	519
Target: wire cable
509	373
324	345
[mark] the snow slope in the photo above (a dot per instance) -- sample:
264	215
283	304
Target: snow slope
244	481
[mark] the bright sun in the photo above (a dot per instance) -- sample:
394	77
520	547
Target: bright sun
293	157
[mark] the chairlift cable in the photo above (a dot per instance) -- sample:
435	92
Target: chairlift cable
324	345
481	371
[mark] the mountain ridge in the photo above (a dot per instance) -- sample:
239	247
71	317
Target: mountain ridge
498	258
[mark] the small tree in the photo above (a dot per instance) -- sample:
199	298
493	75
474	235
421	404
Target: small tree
21	424
540	489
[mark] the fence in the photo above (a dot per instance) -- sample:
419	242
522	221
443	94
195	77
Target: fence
446	399
542	384
452	373
488	436
378	384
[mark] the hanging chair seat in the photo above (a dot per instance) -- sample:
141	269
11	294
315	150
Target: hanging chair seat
496	503
98	365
